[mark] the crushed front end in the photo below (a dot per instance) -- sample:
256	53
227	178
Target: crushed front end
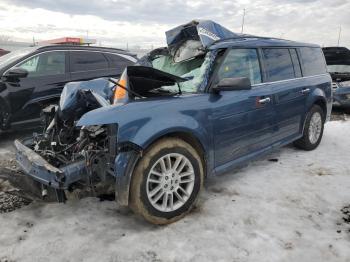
74	161
88	146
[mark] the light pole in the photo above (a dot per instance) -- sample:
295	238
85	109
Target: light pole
243	21
339	34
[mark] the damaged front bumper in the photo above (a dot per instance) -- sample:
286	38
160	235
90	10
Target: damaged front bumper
40	170
60	179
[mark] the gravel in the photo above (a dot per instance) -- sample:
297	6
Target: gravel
10	202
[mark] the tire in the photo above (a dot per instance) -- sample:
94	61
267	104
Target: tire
307	141
144	189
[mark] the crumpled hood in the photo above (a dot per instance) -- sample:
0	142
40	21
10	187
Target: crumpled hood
193	38
143	79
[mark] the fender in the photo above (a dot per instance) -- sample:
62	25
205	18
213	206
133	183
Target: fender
125	163
319	94
143	122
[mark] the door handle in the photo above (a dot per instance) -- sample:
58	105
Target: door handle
305	91
265	100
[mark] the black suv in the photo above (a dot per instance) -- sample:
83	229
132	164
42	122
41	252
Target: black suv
34	77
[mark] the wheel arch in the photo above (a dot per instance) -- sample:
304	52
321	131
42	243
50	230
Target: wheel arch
126	162
189	138
321	102
319	97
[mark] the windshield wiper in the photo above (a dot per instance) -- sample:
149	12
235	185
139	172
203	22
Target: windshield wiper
178	86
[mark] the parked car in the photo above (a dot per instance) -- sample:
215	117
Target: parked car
208	102
3	52
33	78
338	64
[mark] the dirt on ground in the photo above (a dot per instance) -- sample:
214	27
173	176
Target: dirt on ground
11	196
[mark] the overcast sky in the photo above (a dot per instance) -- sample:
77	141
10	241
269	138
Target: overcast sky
143	23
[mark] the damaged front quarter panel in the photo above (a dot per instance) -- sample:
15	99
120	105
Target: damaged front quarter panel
125	162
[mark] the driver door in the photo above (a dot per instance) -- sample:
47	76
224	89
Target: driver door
244	120
46	78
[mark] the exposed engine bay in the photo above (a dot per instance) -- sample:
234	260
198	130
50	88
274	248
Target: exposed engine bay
67	147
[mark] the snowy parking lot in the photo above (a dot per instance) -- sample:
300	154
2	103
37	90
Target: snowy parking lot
291	205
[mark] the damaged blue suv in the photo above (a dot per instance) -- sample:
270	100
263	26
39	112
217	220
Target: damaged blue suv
209	101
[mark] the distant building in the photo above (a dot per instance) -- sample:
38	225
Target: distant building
69	41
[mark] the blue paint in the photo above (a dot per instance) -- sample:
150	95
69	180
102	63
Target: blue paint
231	126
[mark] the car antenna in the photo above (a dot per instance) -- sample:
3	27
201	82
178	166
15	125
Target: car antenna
125	88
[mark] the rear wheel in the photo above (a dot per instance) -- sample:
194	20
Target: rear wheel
313	129
166	181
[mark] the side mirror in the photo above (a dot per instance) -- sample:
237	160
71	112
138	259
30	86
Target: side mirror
232	84
15	74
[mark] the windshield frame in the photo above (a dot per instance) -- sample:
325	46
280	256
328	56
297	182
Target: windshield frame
201	87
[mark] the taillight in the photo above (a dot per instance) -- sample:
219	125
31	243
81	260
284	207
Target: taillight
119	92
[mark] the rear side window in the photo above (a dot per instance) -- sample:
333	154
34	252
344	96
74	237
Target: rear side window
296	62
313	61
278	64
116	61
86	61
241	63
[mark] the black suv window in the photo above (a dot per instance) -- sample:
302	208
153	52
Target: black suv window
278	64
313	61
45	64
116	61
85	61
241	63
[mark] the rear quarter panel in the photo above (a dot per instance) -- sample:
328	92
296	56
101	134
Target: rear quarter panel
321	89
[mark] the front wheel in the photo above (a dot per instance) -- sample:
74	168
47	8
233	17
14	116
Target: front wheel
166	181
313	129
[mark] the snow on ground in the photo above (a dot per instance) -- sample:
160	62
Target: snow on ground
268	211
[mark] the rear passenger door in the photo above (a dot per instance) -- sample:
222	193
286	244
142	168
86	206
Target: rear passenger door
118	62
283	75
85	65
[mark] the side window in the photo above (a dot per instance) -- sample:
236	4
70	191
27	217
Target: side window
313	61
241	63
116	61
50	63
296	62
30	65
278	64
86	61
